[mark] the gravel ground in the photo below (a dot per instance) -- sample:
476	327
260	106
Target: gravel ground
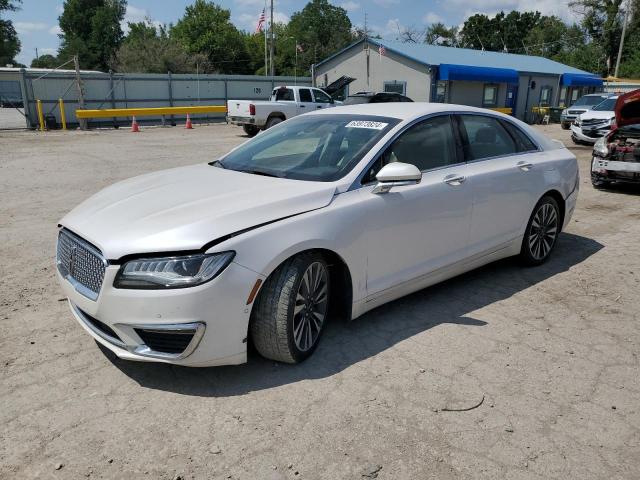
549	353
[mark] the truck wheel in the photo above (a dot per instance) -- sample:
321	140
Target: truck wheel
273	121
250	130
565	126
290	312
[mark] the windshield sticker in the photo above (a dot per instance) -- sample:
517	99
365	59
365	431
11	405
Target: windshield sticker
366	124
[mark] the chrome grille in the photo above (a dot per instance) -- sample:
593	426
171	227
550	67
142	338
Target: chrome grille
80	263
595	121
576	112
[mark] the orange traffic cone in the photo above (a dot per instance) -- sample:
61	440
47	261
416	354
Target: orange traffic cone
134	125
188	125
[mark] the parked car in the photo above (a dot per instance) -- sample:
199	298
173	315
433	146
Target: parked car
285	102
330	214
372	97
616	156
594	124
583	104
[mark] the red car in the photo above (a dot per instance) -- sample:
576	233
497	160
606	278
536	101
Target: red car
616	156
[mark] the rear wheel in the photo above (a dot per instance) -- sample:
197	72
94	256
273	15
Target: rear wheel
542	232
250	130
273	121
290	312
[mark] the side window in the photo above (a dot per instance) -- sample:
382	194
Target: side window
305	95
427	145
523	142
284	95
486	137
321	97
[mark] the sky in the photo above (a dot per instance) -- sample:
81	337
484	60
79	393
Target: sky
37	21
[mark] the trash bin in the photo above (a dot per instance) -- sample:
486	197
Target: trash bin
555	113
50	122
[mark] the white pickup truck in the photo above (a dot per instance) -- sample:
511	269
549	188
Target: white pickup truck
285	102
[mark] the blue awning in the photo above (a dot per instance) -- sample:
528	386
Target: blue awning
581	80
477	74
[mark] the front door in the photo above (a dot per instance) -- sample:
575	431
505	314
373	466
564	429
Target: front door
416	229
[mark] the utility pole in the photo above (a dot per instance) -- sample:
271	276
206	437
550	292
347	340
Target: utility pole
624	30
37	57
82	121
271	42
266	55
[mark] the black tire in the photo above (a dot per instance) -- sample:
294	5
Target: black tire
542	232
250	130
273	121
600	184
565	126
276	328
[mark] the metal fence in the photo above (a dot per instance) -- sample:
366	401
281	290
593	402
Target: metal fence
116	90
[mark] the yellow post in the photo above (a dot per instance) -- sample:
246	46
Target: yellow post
40	115
63	117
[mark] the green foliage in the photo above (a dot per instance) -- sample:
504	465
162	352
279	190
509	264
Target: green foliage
45	61
91	30
206	29
9	42
503	31
321	29
440	34
147	49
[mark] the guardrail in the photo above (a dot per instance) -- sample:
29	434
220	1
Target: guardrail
155	111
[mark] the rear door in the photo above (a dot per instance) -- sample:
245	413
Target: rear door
505	172
306	103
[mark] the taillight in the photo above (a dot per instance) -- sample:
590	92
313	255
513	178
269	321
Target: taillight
252	109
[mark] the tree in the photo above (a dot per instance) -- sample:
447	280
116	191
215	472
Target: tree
9	42
499	33
321	29
147	49
45	61
602	19
91	29
440	34
550	37
206	29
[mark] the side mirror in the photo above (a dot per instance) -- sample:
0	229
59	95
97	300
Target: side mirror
396	174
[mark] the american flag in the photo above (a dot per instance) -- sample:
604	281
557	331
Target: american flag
261	21
382	51
299	48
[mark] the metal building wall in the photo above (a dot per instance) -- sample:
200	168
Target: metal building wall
105	90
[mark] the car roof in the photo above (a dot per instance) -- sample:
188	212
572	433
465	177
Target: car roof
400	110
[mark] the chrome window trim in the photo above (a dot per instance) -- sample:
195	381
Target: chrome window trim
357	183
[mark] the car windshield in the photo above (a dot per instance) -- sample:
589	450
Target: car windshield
607	106
320	148
588	100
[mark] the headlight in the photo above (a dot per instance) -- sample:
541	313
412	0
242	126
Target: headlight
564	112
172	272
600	148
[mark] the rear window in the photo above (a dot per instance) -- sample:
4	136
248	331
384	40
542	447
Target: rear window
284	95
523	142
487	138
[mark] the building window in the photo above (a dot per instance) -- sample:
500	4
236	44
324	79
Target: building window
575	94
490	96
545	96
395	86
441	91
563	97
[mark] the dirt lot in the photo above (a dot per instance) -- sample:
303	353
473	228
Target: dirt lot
552	350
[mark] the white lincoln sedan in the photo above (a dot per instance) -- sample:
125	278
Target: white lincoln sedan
329	214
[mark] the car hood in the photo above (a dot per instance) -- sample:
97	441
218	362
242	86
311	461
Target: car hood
591	115
188	207
628	109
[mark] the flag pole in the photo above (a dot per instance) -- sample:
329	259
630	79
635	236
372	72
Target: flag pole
266	62
295	67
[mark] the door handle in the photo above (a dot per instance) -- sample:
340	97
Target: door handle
303	106
524	166
454	180
319	107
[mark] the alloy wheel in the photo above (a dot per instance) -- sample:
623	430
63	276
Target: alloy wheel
543	232
310	306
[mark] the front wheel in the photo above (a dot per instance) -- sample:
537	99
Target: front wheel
541	233
565	126
291	309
